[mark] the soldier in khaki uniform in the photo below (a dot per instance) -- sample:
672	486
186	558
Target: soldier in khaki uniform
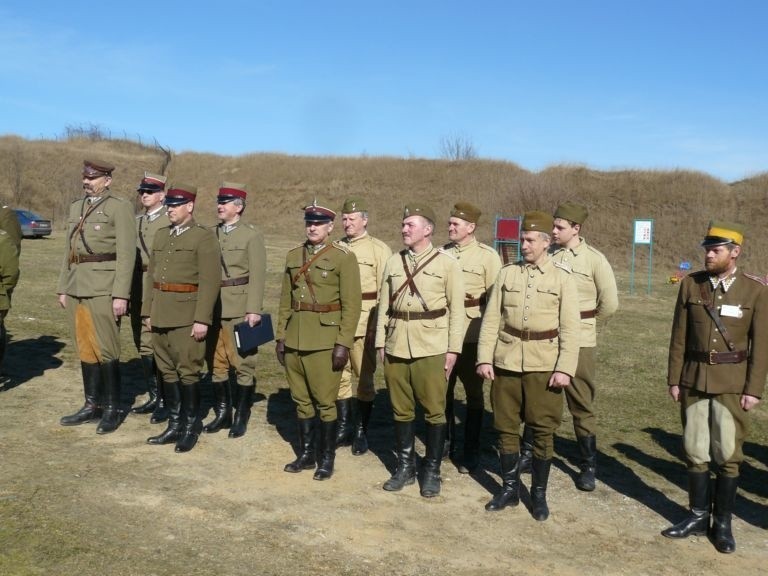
480	264
180	292
9	276
529	347
319	311
94	287
718	361
155	217
371	255
243	269
418	339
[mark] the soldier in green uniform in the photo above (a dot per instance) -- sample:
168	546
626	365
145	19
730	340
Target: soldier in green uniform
94	287
155	217
718	361
529	347
319	311
9	223
180	292
418	339
480	264
9	276
598	301
371	254
243	269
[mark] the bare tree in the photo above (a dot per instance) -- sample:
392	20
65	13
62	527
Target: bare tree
457	147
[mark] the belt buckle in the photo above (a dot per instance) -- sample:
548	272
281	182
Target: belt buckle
711	360
525	334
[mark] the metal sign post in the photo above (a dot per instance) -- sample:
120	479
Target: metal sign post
643	234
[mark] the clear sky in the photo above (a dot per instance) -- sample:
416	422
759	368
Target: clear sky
610	84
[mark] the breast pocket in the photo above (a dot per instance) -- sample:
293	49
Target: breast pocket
511	294
325	273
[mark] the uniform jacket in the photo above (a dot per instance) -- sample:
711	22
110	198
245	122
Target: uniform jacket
694	330
107	228
191	257
536	298
147	226
441	286
595	282
244	256
10	223
9	269
480	264
372	254
335	279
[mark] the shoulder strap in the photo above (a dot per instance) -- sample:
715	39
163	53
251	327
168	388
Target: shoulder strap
305	267
715	316
409	281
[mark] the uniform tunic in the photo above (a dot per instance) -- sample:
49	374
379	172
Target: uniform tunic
9	271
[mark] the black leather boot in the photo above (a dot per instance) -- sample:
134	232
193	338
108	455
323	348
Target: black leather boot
526	450
306	454
725	497
472	427
242	411
539	479
111	417
360	441
449	442
161	412
405	474
430	481
697	522
91	410
510	484
191	423
345	430
222	408
588	464
172	397
328	437
150	377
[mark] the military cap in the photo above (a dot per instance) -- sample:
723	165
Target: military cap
180	194
466	211
572	212
721	232
313	213
152	183
536	221
354	205
96	168
231	191
419	210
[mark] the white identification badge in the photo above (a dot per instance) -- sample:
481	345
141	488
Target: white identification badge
731	311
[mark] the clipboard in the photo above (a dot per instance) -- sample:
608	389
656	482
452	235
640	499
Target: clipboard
248	338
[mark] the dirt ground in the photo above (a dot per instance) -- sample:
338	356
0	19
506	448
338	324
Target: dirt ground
73	502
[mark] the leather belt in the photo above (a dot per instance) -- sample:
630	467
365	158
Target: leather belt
80	258
428	315
144	267
306	307
235	281
588	314
734	357
526	335
472	302
169	287
370	295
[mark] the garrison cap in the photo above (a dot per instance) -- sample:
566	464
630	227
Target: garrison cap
721	232
466	211
152	183
180	194
318	214
419	210
354	205
536	221
229	191
97	168
572	212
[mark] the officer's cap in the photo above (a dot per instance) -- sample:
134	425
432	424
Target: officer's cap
466	211
231	191
352	205
97	168
536	221
419	210
152	183
316	214
721	232
572	212
180	194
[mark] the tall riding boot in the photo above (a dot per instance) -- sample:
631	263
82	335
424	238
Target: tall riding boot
539	479
725	497
192	424
242	411
697	522
110	377
161	412
360	442
472	427
510	484
172	396
306	456
150	377
526	450
405	475
449	442
91	410
3	343
430	482
588	464
328	437
222	408
345	430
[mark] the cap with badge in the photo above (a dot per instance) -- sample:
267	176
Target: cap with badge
231	191
419	210
352	205
466	211
97	169
572	212
180	194
537	221
152	183
721	232
316	214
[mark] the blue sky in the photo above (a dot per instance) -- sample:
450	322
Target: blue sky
608	84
